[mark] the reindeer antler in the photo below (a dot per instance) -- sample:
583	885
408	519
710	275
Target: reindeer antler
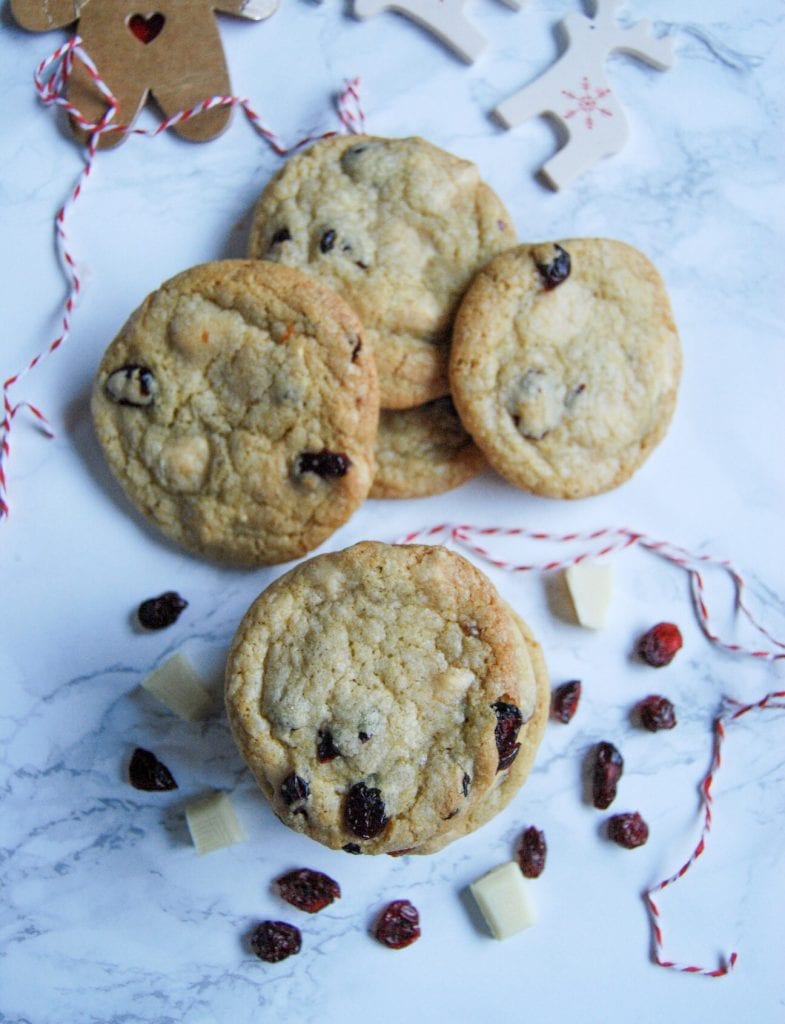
605	11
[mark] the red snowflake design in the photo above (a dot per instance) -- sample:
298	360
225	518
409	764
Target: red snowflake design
588	102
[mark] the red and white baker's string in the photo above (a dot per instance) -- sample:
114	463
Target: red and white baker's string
733	710
350	109
604	542
601	543
51	82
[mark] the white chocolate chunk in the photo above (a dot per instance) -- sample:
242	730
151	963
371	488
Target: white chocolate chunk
590	585
213	823
502	896
177	685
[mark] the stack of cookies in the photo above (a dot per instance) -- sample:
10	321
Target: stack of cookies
385	698
398	228
239	407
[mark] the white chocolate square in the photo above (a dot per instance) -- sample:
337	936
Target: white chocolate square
177	685
590	585
503	897
213	823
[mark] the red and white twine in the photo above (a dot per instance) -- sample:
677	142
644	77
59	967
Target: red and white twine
732	711
51	81
604	542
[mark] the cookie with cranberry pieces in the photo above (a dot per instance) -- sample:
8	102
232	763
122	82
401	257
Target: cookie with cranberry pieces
507	784
397	227
238	409
377	693
423	451
565	364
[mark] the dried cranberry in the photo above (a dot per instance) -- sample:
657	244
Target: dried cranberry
308	890
508	724
328	465
294	789
364	811
532	852
281	235
656	713
565	699
351	848
556	270
363	737
146	772
274	941
131	385
658	647
162	611
327	240
608	766
628	830
398	925
326	749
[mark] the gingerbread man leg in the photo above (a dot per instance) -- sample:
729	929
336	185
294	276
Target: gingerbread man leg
193	89
92	106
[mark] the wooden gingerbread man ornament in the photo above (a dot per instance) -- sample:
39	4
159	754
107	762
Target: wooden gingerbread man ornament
576	92
168	48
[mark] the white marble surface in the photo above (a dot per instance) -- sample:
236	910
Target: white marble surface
107	914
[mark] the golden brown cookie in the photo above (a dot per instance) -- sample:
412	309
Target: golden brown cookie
238	408
376	693
397	227
423	451
565	364
498	796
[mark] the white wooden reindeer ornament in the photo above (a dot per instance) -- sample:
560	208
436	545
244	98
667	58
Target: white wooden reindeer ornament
444	18
575	92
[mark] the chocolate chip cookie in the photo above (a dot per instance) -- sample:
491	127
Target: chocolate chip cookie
238	408
377	693
423	451
565	364
397	227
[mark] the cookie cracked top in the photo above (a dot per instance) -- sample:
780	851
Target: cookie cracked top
397	227
565	364
423	451
377	692
238	408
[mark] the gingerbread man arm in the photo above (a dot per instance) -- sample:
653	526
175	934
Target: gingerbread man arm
43	15
256	10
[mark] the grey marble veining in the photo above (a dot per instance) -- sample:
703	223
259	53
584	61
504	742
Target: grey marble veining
106	912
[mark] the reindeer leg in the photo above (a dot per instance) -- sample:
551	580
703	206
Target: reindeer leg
542	96
584	148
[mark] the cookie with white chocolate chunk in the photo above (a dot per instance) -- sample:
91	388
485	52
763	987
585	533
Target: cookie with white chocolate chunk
397	227
378	693
565	364
238	409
